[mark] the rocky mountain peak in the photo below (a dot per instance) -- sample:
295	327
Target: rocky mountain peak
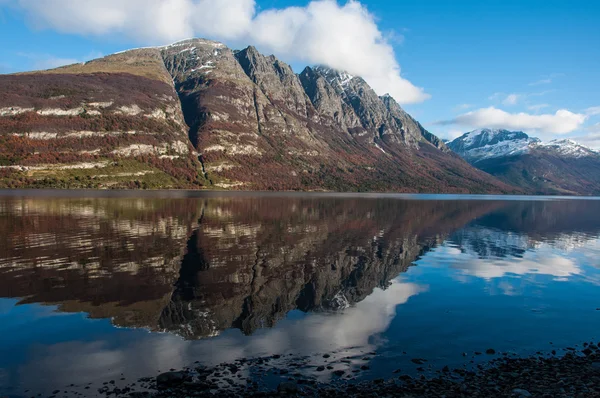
336	78
253	123
487	143
568	148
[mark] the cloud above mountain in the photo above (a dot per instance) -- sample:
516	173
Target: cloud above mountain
343	36
561	122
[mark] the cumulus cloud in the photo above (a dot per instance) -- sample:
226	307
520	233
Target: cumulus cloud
323	32
561	122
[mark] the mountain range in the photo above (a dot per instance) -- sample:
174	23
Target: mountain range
196	114
554	167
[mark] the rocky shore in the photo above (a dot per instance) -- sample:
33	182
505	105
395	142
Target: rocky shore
576	373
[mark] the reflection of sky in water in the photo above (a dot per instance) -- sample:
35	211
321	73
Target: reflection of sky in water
481	288
450	303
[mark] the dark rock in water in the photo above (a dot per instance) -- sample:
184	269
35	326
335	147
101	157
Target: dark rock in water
587	351
519	392
418	361
446	369
477	353
326	356
365	367
170	378
339	373
288	387
490	351
320	368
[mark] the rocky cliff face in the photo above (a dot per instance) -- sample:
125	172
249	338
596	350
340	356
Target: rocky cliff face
555	167
197	114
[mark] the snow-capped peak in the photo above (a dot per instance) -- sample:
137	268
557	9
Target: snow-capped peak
491	143
334	76
484	143
569	148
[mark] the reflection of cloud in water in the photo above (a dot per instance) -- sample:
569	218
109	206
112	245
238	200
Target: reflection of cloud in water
324	332
543	261
351	331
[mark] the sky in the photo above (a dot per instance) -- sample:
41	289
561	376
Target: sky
529	65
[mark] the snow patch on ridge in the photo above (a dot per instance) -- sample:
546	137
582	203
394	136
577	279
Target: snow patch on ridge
569	148
484	144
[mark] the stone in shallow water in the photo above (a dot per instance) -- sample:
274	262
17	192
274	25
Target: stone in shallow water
287	387
521	393
170	378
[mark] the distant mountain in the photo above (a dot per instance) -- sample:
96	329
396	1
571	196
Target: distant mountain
196	114
555	167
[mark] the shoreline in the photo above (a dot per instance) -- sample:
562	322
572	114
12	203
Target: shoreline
574	374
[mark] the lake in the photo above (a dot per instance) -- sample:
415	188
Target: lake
98	286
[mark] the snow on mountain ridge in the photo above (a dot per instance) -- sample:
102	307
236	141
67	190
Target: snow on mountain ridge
484	143
568	147
334	76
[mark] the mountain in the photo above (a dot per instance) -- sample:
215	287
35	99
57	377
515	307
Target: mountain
554	167
196	114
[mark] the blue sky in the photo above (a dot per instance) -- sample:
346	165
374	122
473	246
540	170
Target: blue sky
508	63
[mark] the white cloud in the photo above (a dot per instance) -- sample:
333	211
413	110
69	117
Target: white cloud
592	139
323	32
593	111
511	99
561	122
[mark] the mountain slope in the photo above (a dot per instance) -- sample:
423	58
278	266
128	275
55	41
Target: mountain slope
110	123
555	167
197	114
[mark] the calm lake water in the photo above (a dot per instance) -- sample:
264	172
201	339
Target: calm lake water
96	286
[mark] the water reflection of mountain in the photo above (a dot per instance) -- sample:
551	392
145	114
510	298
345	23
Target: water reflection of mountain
198	266
252	261
521	226
111	258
